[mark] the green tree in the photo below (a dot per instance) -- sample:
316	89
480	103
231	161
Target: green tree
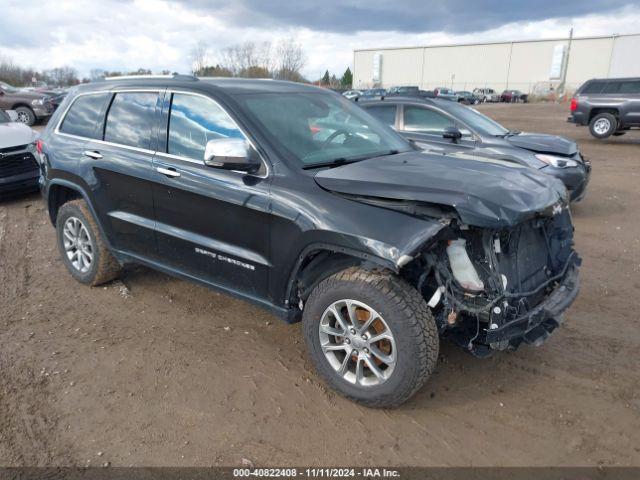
347	78
325	78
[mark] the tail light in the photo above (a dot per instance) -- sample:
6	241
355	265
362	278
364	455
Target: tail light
39	145
574	104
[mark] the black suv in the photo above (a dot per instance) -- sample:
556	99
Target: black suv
609	106
296	199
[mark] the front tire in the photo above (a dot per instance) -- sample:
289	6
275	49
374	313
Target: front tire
371	336
81	246
26	116
603	125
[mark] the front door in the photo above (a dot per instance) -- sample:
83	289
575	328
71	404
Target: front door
211	224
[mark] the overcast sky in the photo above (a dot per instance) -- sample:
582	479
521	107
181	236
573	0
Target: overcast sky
159	34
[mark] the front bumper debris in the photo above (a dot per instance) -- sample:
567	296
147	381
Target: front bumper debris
535	326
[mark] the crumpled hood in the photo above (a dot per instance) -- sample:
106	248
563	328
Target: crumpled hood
13	134
485	193
542	143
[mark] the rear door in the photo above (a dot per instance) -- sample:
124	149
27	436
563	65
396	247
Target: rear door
425	126
628	92
82	122
212	224
120	169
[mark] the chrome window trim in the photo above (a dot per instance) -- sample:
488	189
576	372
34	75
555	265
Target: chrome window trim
156	152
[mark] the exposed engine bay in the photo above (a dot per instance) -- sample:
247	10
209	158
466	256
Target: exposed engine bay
492	289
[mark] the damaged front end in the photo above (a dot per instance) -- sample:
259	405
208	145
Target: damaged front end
493	289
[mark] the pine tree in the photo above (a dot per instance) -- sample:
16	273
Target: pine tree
347	79
325	78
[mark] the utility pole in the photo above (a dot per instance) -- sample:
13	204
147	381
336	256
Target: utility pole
565	67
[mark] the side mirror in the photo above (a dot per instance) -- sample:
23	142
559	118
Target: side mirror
452	133
13	115
231	154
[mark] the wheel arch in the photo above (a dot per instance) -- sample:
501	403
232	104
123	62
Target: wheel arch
598	110
22	104
60	191
321	260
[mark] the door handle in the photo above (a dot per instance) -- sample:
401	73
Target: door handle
169	172
92	154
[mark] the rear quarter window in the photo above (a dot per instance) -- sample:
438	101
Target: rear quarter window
592	87
84	117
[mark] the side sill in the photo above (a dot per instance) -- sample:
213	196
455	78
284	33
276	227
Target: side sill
287	314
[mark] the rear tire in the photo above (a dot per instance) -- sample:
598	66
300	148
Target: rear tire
603	125
381	373
81	246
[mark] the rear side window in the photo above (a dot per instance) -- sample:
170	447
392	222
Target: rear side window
629	86
612	87
385	113
592	87
195	120
130	119
83	118
418	119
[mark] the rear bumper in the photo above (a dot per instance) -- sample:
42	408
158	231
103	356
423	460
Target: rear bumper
578	118
536	325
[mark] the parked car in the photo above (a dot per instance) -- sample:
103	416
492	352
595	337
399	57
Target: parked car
351	94
19	171
375	246
445	94
514	96
467	98
486	94
373	93
609	106
410	91
56	96
30	106
438	125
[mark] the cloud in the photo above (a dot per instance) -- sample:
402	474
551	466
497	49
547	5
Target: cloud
160	34
413	16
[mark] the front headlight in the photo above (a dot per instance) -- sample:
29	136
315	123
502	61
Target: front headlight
558	162
39	101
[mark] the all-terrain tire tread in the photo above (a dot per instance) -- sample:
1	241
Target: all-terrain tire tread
407	299
108	267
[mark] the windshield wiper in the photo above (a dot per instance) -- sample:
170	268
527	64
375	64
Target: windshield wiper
512	133
332	163
346	160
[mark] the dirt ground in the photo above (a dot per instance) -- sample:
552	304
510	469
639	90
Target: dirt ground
156	371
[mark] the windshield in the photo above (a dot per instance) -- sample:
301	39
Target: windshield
317	128
8	88
477	121
4	118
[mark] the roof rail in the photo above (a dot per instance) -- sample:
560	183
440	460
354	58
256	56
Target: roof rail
176	76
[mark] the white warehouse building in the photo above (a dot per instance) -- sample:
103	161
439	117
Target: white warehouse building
532	66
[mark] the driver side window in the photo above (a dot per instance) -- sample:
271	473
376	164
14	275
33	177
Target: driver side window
417	119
